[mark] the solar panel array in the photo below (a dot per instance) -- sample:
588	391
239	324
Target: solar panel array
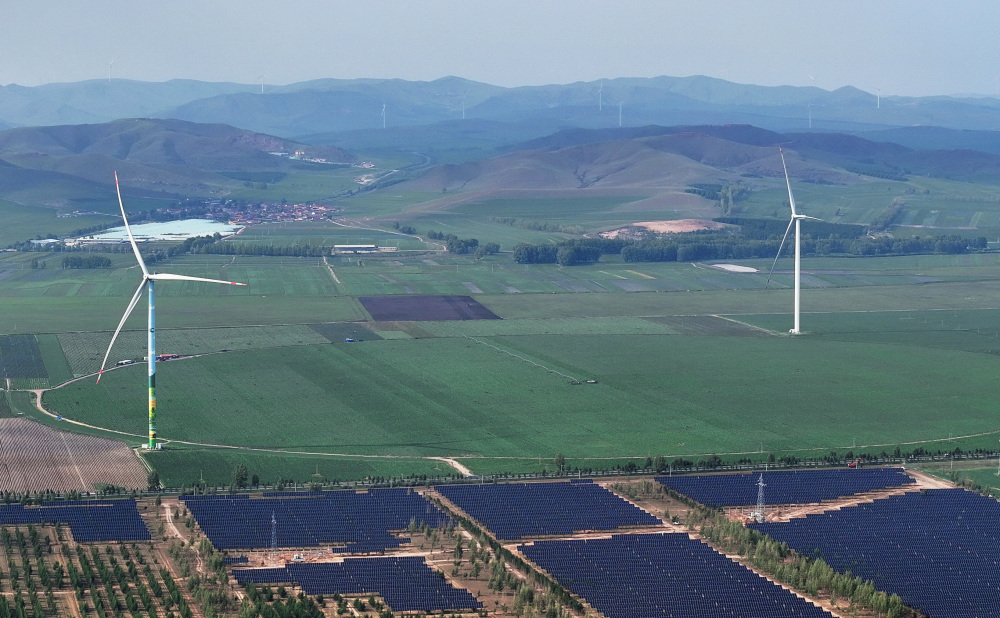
89	520
406	583
785	486
663	575
938	549
361	521
514	511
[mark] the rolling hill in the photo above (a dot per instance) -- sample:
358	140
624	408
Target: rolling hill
163	156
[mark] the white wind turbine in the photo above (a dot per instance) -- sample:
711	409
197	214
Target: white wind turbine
600	97
383	114
147	284
463	104
796	219
261	78
620	103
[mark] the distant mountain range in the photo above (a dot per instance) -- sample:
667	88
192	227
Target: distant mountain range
334	106
655	159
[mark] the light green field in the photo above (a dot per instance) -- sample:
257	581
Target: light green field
323	234
513	396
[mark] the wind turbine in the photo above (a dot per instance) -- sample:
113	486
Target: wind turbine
620	113
110	65
600	97
463	106
261	78
383	114
796	219
147	284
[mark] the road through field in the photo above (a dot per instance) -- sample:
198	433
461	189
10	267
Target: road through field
461	469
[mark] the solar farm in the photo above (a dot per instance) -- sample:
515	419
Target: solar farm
401	415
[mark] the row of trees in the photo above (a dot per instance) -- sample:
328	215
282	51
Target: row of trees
721	246
86	261
813	576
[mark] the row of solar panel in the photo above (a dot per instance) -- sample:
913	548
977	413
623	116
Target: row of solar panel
406	583
651	575
937	549
359	521
513	511
785	486
89	521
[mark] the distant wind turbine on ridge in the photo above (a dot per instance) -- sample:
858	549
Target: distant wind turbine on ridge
600	97
620	103
383	114
261	78
110	66
796	219
147	284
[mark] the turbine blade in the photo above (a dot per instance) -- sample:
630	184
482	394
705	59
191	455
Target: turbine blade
135	248
791	199
131	306
780	247
807	217
170	277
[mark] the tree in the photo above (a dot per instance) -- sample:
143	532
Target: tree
153	480
241	476
560	461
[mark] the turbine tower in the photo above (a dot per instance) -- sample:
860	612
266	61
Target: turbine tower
147	284
110	66
261	78
600	97
383	114
463	106
620	113
796	219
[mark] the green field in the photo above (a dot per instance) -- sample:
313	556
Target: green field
687	360
513	396
189	466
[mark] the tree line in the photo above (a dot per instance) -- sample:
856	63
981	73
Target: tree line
86	261
715	245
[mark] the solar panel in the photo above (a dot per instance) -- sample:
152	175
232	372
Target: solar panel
360	522
651	575
938	549
514	511
89	520
405	582
784	486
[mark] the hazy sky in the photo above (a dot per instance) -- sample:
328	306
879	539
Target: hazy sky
910	47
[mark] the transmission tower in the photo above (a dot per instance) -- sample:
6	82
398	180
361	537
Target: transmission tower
274	535
758	514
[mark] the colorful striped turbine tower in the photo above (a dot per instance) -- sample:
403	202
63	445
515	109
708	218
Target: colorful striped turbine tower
147	284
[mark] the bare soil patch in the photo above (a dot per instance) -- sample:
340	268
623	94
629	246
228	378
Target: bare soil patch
664	227
414	308
35	457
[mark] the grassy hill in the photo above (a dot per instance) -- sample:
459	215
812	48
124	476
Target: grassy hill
170	157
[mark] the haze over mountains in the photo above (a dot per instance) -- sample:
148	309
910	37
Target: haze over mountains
331	105
676	132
